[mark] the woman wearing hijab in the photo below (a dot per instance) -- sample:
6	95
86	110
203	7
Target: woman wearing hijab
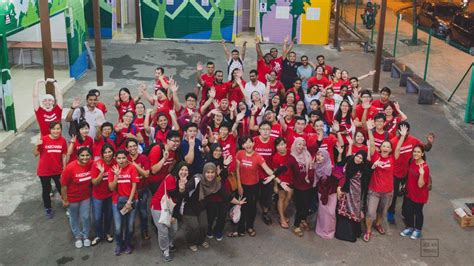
326	185
197	196
47	108
217	208
351	194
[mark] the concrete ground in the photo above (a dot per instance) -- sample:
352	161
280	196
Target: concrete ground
446	65
27	238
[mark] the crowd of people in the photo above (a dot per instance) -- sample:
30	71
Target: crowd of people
297	134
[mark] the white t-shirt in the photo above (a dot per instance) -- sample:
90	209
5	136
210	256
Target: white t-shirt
233	64
94	118
249	88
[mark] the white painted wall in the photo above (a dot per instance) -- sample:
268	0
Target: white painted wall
32	34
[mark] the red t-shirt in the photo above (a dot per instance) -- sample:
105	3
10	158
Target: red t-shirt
291	135
121	136
276	88
382	176
97	147
101	106
327	144
329	109
101	191
266	150
380	137
279	160
415	193
263	69
165	107
51	156
221	90
77	178
144	163
235	94
327	70
127	176
155	157
208	81
360	111
401	164
309	129
229	148
88	142
155	203
277	66
391	126
159	84
276	130
290	125
124	107
160	135
249	166
336	86
45	118
299	173
321	83
378	105
355	149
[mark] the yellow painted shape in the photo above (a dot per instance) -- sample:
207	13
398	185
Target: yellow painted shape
316	31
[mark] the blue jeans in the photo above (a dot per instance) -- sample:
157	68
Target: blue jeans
142	207
79	213
102	210
123	221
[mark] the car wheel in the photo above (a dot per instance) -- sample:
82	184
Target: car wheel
471	51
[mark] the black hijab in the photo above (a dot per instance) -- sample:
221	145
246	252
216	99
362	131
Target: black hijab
210	156
352	168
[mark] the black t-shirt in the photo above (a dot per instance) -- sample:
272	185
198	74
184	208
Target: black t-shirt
289	74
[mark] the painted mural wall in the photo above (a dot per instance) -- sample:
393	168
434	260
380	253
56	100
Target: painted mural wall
188	19
108	18
16	15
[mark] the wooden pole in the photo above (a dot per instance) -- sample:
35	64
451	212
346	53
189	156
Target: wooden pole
138	21
336	25
98	43
46	44
378	52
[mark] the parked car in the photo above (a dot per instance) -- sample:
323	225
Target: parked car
437	16
462	30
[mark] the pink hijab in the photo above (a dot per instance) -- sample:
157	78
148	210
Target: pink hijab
304	157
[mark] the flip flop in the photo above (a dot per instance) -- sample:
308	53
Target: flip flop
297	231
284	225
232	234
367	236
251	232
379	229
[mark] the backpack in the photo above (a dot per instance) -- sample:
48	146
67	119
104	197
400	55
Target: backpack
74	124
232	61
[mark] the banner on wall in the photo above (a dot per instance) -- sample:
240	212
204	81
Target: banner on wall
188	19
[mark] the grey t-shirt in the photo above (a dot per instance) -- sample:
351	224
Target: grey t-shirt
95	118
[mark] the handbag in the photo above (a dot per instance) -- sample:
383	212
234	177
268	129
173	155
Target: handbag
235	213
167	206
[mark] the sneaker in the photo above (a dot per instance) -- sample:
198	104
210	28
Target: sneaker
49	213
78	243
67	213
209	235
205	244
167	256
118	251
87	242
172	248
193	248
95	241
416	234
129	250
109	238
219	236
391	217
407	232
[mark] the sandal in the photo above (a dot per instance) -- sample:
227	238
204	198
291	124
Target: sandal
367	236
297	231
109	238
193	248
304	225
284	224
379	229
232	234
205	244
251	232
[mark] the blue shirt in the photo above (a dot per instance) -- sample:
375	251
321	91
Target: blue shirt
198	162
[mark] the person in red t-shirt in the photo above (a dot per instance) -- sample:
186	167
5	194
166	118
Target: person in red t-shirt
47	110
277	61
162	159
358	145
328	105
206	80
173	186
142	165
319	141
379	104
264	66
394	116
381	183
265	146
124	101
283	181
364	110
101	195
77	142
123	179
76	195
274	85
321	81
51	150
248	163
161	81
322	62
125	130
102	138
418	187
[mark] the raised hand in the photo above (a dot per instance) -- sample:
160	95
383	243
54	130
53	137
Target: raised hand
75	102
397	106
205	141
350	141
73	139
228	160
370	124
430	137
100	167
116	169
239	116
166	154
372	72
335	126
339	149
403	130
212	93
366	105
422	169
173	86
199	66
192	141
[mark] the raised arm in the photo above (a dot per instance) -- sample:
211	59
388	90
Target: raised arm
371	73
403	116
75	104
244	50
370	126
143	90
226	50
199	68
258	48
36	103
403	133
58	93
174	90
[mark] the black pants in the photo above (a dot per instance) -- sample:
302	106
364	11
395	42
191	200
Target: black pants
302	203
414	214
265	197
46	185
249	210
216	212
396	187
